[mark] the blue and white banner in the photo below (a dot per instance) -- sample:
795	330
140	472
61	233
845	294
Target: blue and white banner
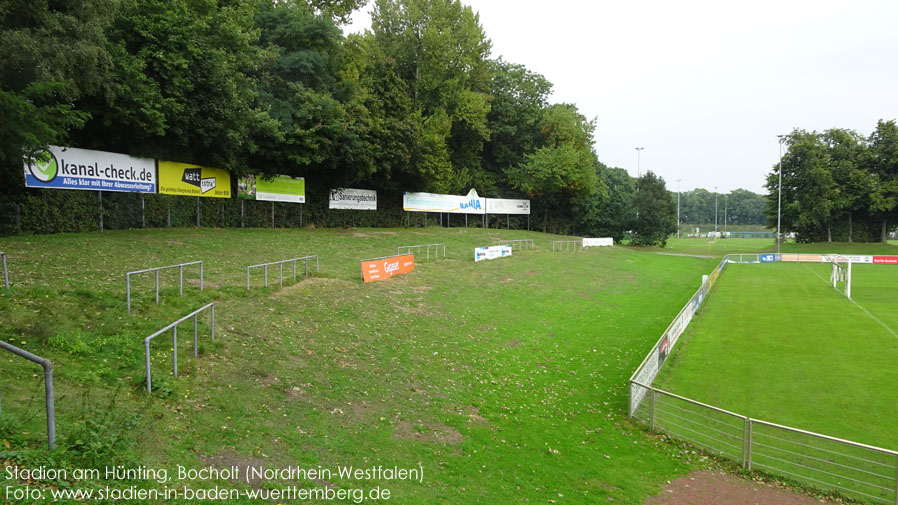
71	168
453	204
768	258
492	252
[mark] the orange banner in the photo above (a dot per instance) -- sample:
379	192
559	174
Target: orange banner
378	270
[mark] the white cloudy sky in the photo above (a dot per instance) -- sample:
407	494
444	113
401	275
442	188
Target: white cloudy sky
704	86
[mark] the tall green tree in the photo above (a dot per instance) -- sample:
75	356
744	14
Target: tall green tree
657	218
882	163
845	150
440	51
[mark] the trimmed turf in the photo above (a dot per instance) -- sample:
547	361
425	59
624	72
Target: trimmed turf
505	380
776	342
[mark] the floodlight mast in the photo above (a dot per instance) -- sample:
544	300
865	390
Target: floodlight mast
779	199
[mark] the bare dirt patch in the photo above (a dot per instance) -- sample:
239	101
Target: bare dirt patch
191	281
513	343
717	488
434	433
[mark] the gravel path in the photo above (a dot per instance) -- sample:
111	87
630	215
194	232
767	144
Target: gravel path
720	488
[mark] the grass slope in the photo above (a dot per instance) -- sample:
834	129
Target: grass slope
504	380
776	342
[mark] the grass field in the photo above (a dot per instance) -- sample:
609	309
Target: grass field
504	380
777	342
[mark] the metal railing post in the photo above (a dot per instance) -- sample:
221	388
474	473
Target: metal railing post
896	483
247	278
294	269
180	280
174	347
146	344
316	264
128	290
194	336
281	273
201	275
652	409
750	429
51	409
157	286
213	321
266	276
5	271
745	443
307	267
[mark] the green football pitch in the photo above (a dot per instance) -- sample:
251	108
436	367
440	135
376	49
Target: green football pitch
776	342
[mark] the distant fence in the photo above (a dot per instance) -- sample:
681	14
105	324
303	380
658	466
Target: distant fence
425	247
852	469
174	327
48	388
519	243
281	268
156	270
566	245
5	272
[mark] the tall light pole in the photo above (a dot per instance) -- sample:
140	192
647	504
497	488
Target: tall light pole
678	207
779	198
638	150
715	209
726	198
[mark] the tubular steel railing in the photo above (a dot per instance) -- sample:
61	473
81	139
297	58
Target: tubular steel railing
156	270
565	245
520	243
281	268
174	327
5	271
426	247
855	470
48	388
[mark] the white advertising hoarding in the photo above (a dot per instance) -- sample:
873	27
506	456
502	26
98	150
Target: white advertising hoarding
72	168
453	204
354	199
492	252
598	242
503	206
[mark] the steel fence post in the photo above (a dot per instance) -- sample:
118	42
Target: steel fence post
652	409
247	278
744	442
266	275
201	275
896	484
128	291
5	272
294	270
307	267
174	347
750	429
316	263
213	322
281	271
157	285
194	336
51	412
146	344
180	280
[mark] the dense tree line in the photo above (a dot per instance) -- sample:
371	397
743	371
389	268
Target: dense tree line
274	87
837	185
738	207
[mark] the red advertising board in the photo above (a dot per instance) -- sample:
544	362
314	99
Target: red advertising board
885	259
378	270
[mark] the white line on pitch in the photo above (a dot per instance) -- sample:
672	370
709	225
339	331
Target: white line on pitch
884	325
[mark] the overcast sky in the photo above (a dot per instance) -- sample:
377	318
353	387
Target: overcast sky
704	86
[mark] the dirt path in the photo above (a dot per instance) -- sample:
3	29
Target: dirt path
709	487
685	255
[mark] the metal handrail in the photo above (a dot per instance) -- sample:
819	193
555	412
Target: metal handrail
156	270
408	250
48	388
568	244
174	327
520	242
281	265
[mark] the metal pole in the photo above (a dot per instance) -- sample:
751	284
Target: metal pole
281	271
316	264
678	207
651	410
748	464
213	321
266	276
307	267
100	193
201	275
294	269
272	214
128	290
247	278
146	344
51	410
194	335
174	348
181	280
779	198
715	208
156	272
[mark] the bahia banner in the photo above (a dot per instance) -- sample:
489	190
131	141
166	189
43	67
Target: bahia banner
353	199
453	204
185	179
72	168
279	188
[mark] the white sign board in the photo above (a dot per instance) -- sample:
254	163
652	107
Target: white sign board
453	204
71	168
355	199
598	242
492	252
502	206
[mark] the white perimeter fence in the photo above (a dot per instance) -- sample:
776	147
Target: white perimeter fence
854	470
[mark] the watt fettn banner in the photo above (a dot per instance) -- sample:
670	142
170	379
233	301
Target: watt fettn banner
453	204
598	242
504	206
354	199
278	188
380	269
72	168
492	252
193	180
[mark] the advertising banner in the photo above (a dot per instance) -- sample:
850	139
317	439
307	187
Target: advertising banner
768	258
185	179
502	206
598	242
854	258
71	168
492	252
381	269
279	188
886	259
453	204
353	199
